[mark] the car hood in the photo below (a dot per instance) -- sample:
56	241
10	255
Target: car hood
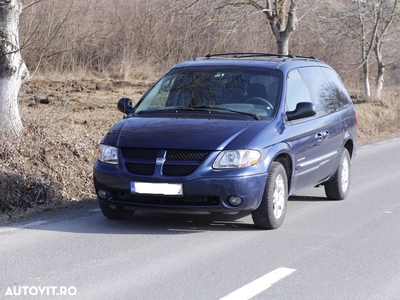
183	133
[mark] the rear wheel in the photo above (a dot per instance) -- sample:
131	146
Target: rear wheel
272	210
338	187
117	213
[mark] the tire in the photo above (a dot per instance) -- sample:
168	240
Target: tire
118	213
338	187
272	210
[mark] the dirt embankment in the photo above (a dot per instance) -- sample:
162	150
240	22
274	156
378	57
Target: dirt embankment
51	162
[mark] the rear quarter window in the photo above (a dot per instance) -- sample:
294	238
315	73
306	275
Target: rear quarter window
341	98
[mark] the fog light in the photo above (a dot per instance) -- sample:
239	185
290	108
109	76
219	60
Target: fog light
235	200
102	194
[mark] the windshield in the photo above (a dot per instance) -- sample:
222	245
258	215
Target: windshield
233	90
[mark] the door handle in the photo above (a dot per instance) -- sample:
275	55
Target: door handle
322	135
319	136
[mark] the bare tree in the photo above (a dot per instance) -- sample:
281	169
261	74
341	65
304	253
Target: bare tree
13	71
387	13
367	23
280	15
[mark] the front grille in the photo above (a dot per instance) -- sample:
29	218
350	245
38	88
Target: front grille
178	170
186	155
141	161
145	154
170	201
140	169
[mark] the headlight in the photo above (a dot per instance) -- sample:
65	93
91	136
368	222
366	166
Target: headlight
108	154
236	159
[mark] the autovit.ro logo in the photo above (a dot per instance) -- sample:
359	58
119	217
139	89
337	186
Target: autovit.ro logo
26	290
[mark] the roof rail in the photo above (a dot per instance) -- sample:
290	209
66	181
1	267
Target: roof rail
255	54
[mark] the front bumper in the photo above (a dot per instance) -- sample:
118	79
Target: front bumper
209	194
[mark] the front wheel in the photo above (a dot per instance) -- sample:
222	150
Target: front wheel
338	187
272	210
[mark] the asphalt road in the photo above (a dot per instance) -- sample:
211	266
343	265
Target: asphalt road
325	249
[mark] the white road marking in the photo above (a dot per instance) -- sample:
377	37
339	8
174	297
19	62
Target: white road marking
259	285
32	224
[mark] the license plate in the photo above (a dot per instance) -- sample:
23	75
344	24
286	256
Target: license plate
171	189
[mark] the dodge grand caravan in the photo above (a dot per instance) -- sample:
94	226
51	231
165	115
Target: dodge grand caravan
230	132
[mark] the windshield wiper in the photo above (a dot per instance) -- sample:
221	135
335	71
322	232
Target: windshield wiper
201	108
217	107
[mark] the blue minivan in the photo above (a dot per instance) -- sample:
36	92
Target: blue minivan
227	133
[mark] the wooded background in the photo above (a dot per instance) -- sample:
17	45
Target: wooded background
134	39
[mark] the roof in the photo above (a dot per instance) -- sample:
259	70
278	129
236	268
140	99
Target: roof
269	60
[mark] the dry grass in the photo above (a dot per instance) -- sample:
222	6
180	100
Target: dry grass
378	119
50	164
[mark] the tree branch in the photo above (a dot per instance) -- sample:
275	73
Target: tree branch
30	4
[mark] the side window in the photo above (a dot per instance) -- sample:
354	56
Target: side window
297	90
337	94
326	89
316	81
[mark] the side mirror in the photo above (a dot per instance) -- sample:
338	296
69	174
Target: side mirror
303	110
125	106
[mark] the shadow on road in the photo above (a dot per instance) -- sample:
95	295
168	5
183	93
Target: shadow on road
87	218
308	199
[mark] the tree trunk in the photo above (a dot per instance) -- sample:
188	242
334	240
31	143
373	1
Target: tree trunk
379	81
284	24
13	71
281	19
379	42
381	68
283	45
367	87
